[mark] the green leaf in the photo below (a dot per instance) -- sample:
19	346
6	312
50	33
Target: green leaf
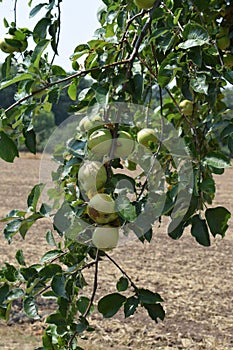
229	76
138	86
155	311
40	29
207	185
20	257
56	319
217	219
130	306
82	304
101	94
4	290
34	196
38	51
200	231
30	140
122	284
52	254
110	304
168	69
227	131
230	144
199	84
58	71
146	296
194	35
8	149
36	9
30	308
59	285
27	223
61	221
11	229
50	238
16	79
217	160
72	91
126	209
14	294
49	271
175	231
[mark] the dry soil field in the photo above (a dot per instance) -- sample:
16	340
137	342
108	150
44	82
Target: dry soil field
196	282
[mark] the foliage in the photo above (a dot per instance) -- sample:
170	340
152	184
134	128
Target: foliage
150	59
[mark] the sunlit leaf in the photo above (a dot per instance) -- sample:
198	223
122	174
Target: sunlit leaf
217	160
30	308
194	35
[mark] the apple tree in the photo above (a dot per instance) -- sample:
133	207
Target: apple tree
149	128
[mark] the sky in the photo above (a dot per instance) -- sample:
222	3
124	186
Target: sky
79	21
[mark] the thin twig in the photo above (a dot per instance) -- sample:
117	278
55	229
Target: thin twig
129	22
15	12
120	268
95	285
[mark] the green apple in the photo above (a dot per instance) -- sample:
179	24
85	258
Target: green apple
105	237
92	175
186	107
100	141
124	144
90	124
146	137
10	44
5	46
144	4
101	208
223	42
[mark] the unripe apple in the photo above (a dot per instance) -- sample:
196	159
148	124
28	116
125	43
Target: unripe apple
146	137
101	208
92	176
223	42
186	107
144	4
124	144
6	47
7	44
105	237
100	141
90	124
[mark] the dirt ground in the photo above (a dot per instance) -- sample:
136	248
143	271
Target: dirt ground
195	282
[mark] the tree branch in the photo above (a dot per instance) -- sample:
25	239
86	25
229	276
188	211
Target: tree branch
64	80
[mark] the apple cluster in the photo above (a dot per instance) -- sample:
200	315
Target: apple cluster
104	144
